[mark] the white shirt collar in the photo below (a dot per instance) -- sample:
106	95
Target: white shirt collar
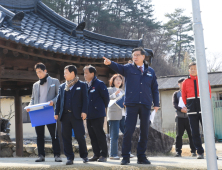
141	66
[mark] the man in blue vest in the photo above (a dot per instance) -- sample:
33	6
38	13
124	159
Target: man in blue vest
141	90
71	109
98	101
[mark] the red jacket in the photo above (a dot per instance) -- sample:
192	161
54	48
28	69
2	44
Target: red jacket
188	94
188	88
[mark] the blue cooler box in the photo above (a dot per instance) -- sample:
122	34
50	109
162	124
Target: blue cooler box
42	116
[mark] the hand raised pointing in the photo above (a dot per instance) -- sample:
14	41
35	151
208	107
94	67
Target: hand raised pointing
106	61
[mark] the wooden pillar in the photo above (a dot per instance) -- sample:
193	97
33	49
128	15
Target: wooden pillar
18	124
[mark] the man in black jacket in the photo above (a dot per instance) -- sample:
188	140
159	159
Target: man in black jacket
98	101
182	122
71	109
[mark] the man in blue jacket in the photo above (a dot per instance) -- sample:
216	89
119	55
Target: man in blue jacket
141	90
71	109
98	101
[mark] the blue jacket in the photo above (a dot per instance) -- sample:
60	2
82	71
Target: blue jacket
98	99
140	88
79	100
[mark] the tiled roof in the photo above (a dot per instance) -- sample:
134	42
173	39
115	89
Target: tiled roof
171	82
49	31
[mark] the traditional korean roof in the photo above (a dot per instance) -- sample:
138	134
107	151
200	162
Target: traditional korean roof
171	82
42	28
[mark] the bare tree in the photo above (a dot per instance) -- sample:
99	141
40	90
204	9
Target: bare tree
214	62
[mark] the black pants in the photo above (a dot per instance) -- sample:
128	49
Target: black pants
69	122
195	119
183	124
97	136
130	124
40	131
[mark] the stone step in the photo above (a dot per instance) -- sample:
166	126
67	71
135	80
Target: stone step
157	163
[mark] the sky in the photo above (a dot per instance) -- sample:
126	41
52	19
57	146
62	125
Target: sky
211	14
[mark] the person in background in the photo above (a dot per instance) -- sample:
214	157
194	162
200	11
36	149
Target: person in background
182	122
191	98
114	113
98	102
45	90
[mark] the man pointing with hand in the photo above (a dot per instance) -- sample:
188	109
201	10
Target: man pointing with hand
141	91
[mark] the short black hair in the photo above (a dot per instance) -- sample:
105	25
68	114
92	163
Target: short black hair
142	51
91	69
71	68
192	64
181	80
40	66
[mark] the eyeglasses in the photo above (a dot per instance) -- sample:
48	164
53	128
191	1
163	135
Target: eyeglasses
136	55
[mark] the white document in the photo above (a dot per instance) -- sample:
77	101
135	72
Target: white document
152	115
111	102
181	103
37	106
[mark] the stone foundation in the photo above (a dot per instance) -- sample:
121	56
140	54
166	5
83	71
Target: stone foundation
158	143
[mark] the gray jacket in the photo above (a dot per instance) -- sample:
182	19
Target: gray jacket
114	112
52	89
176	99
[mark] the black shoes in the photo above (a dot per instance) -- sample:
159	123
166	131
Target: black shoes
143	160
69	162
94	158
85	160
102	159
177	155
58	159
125	161
40	159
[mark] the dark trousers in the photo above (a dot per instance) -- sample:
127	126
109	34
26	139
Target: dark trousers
122	124
97	136
183	124
195	130
130	124
40	131
69	122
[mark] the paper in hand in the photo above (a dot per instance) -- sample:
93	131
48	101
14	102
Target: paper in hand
152	115
181	103
37	106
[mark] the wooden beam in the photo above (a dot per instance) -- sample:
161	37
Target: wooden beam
5	51
21	75
7	92
15	53
18	124
25	92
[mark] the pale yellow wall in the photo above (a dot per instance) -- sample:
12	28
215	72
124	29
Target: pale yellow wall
168	111
28	130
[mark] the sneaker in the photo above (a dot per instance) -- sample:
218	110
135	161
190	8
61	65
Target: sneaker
125	161
58	159
102	159
69	162
131	155
177	155
40	159
115	158
200	156
193	154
